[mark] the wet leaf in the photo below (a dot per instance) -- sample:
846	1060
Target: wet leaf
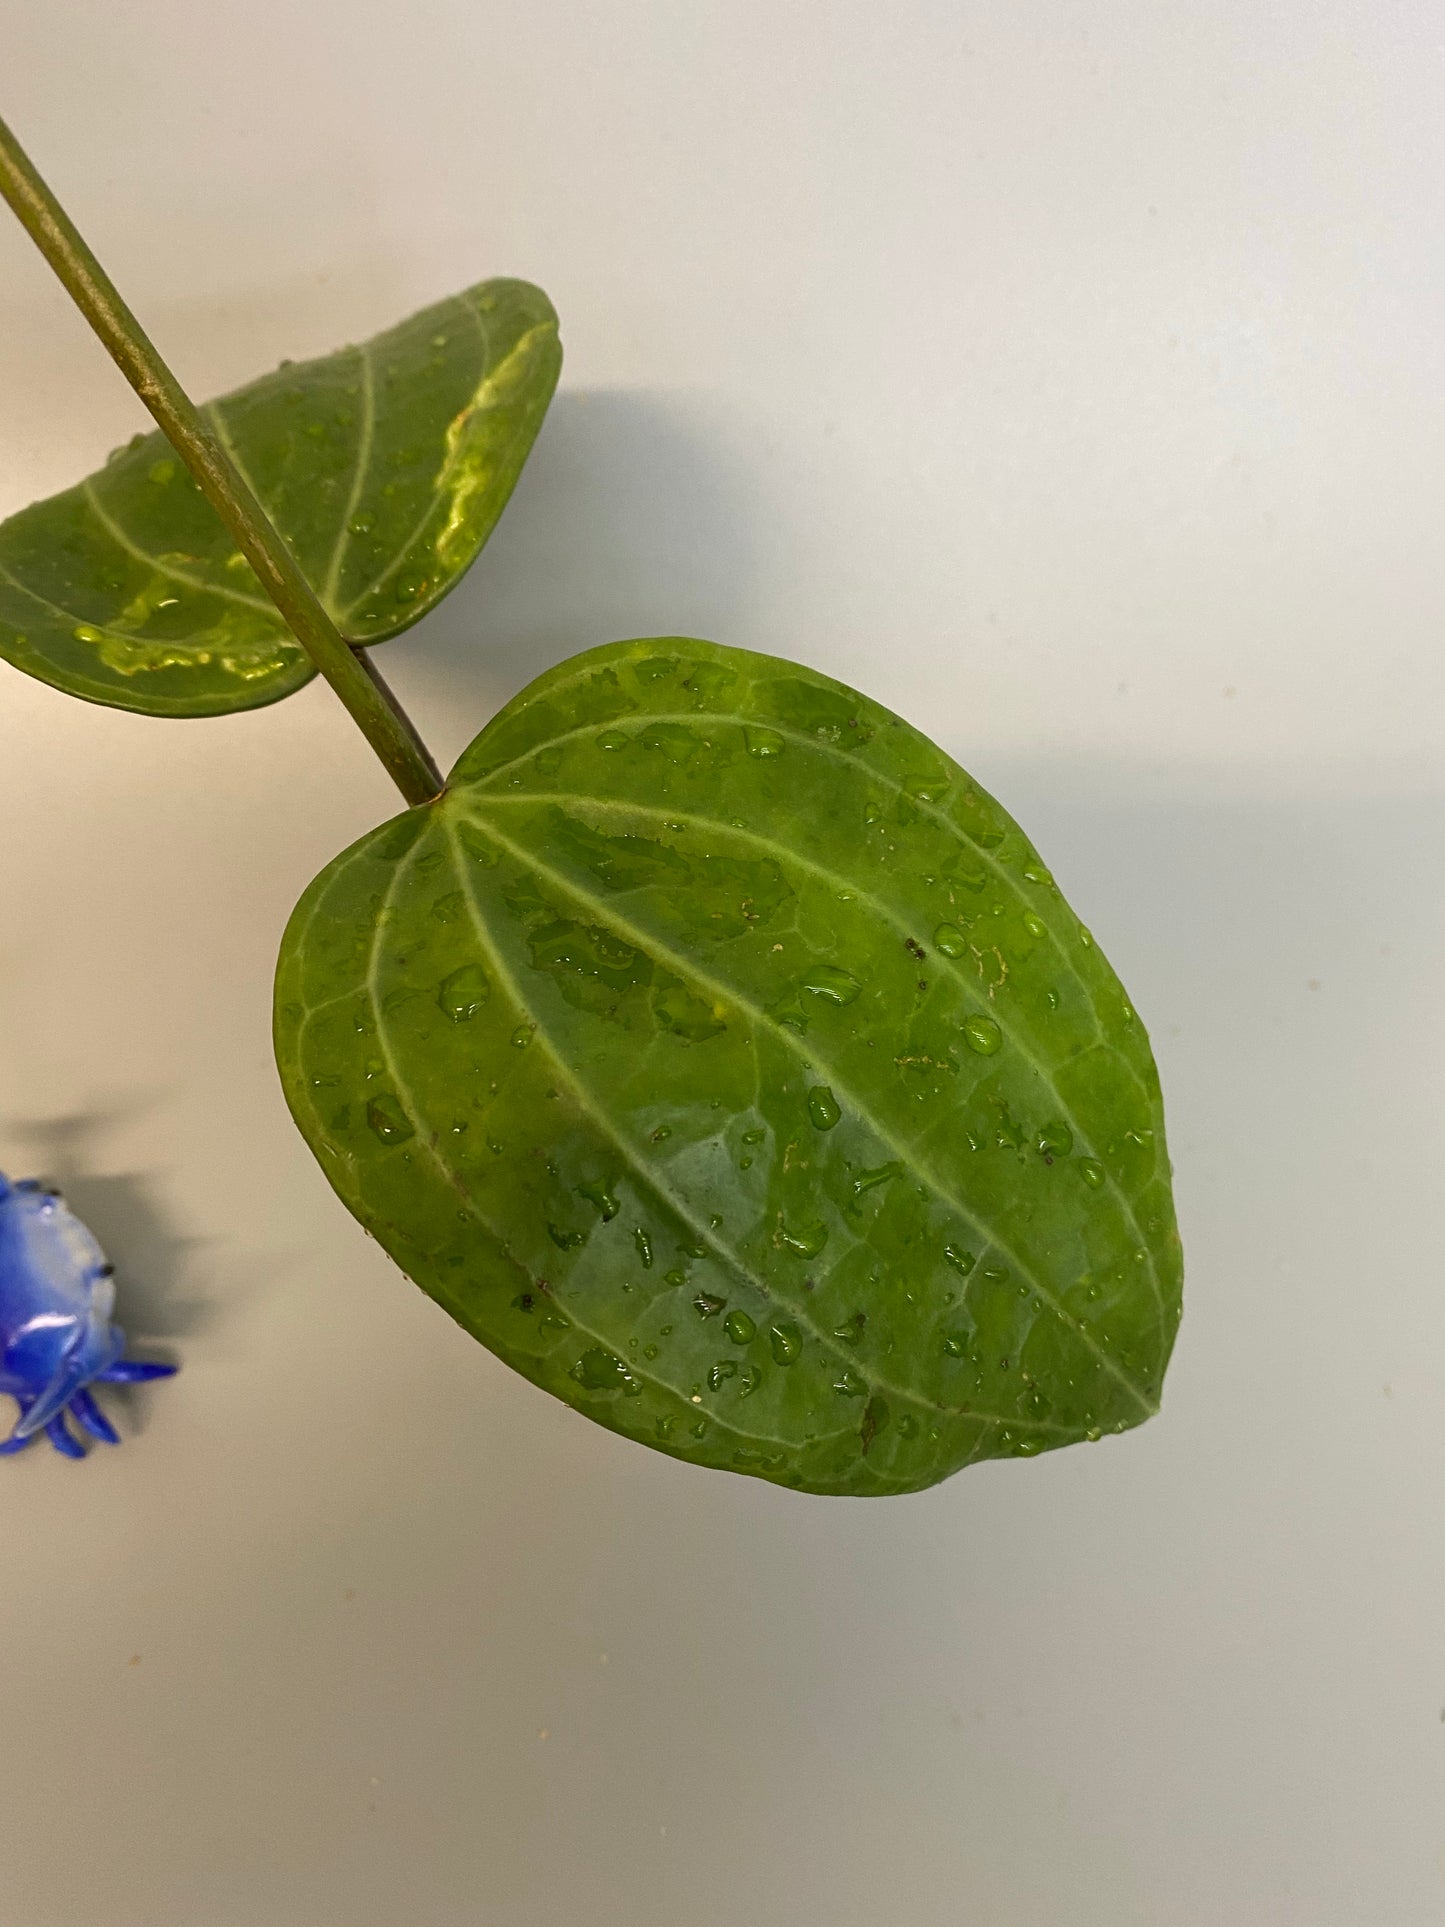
735	1153
385	467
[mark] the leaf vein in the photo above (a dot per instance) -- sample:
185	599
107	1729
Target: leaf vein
384	575
362	469
124	541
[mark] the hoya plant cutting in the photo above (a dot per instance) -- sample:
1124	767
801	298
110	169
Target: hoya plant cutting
708	1044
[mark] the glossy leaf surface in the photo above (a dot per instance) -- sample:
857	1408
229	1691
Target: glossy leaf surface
729	1063
385	468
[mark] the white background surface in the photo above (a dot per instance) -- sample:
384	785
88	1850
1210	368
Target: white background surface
1070	376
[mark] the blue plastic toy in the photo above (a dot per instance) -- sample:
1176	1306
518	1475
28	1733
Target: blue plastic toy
56	1336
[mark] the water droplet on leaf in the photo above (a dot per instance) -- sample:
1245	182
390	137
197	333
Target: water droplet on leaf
463	993
598	1370
869	1180
388	1120
807	1240
786	1341
597	1192
982	1034
832	983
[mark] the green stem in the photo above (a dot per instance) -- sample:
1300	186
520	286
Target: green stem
376	712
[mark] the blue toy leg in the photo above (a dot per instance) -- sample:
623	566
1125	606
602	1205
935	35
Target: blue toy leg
134	1371
84	1408
62	1441
18	1445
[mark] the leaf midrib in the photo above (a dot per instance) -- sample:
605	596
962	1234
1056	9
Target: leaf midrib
687	967
670	1200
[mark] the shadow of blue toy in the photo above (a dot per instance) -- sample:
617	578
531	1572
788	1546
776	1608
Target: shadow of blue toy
56	1336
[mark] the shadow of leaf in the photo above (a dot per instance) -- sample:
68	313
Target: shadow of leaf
633	517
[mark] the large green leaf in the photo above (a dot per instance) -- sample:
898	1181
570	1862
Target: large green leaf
385	467
724	1059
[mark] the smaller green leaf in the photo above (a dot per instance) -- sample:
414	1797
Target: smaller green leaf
385	468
